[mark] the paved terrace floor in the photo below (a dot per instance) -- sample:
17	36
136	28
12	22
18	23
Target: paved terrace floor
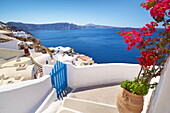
102	93
13	62
93	99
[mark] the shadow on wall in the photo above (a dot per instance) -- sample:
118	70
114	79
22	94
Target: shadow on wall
9	53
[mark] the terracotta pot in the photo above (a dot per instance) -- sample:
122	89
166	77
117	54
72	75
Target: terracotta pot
129	103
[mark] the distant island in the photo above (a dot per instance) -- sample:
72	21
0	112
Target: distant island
55	26
60	26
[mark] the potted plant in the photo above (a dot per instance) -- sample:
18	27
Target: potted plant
154	52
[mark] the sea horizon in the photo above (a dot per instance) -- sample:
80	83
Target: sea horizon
103	45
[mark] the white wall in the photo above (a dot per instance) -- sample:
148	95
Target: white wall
161	99
8	53
24	97
47	102
13	44
43	58
100	74
47	69
97	74
27	73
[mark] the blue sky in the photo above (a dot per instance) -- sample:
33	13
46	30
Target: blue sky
103	12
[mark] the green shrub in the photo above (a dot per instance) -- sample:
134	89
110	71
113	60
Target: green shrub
135	87
52	51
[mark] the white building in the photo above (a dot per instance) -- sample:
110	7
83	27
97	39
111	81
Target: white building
21	34
67	55
13	43
61	49
2	25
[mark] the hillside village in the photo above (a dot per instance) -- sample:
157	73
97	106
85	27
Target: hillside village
24	55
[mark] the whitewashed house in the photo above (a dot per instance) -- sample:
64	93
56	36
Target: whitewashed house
13	43
21	34
2	25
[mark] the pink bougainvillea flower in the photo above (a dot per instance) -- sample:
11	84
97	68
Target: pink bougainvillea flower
149	40
129	48
126	41
145	6
157	10
147	34
148	58
165	51
143	29
168	29
148	0
154	23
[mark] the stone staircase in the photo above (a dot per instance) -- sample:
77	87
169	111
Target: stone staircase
89	100
39	66
84	106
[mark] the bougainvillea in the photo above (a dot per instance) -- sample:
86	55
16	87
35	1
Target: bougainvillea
157	8
147	58
154	50
168	29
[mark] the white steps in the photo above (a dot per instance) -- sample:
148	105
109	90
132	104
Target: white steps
97	100
106	95
88	106
62	109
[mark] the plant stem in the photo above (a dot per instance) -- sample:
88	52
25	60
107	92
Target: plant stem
163	62
139	73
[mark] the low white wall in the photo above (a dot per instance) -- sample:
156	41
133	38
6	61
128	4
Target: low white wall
13	44
97	74
48	101
24	97
84	76
8	53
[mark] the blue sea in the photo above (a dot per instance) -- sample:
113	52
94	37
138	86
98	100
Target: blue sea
103	45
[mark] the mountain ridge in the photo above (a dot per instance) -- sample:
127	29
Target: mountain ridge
61	26
55	26
52	26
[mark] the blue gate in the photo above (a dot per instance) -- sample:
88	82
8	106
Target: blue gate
59	78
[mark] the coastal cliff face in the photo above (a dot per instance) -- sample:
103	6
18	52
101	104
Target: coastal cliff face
11	28
60	26
54	26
